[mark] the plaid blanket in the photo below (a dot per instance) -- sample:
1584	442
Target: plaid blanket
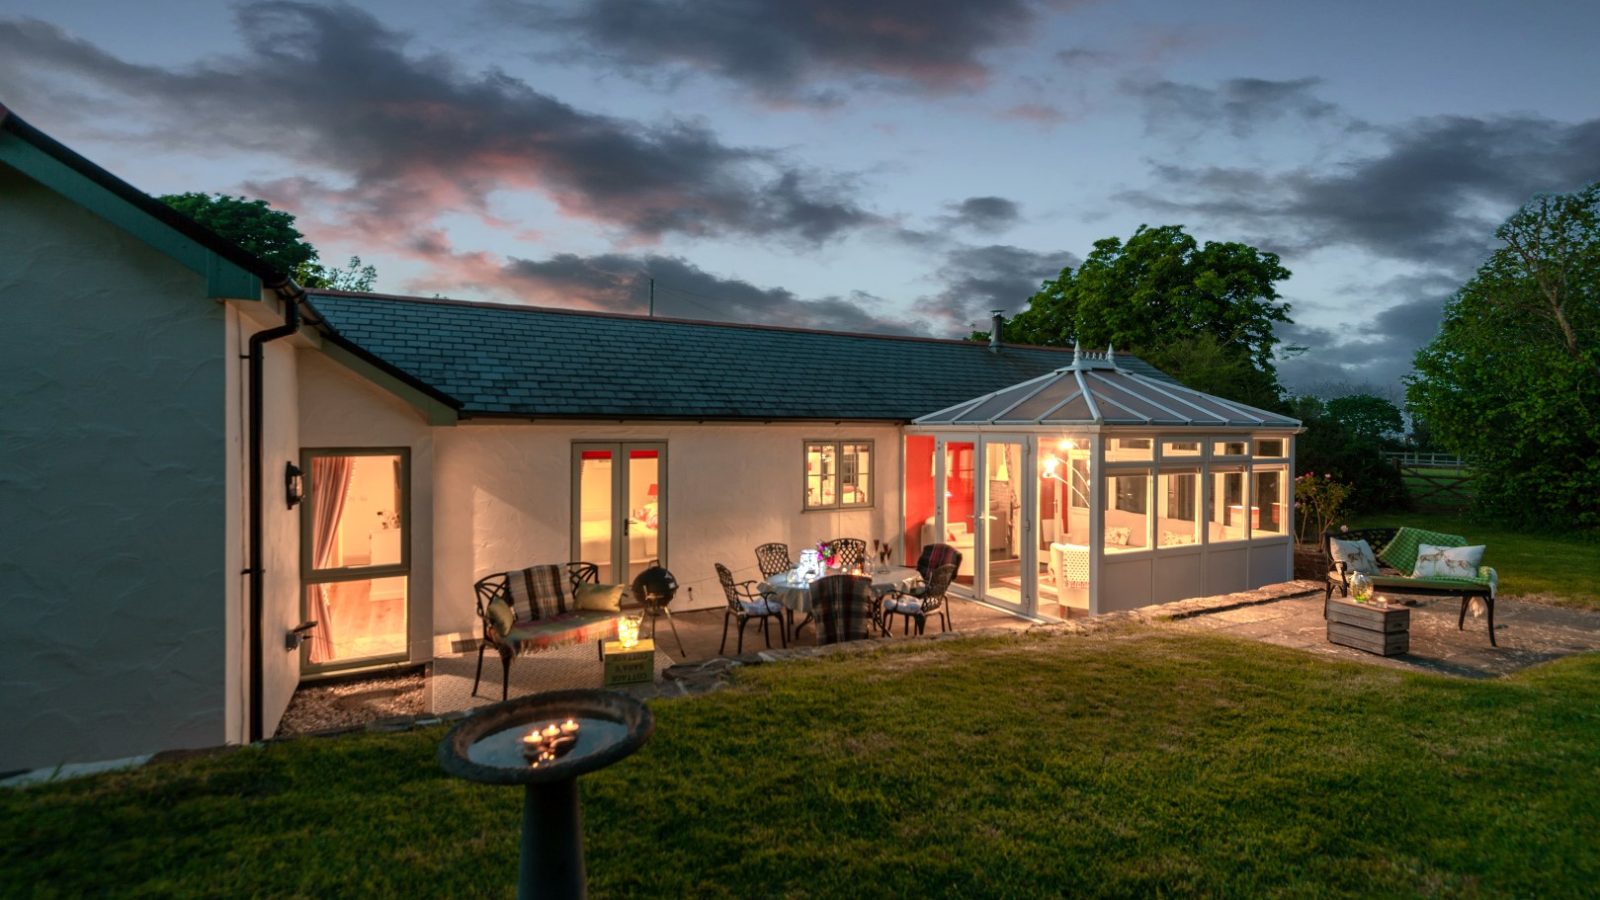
538	593
1400	553
936	555
844	607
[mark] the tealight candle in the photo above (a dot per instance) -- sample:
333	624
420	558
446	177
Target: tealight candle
569	726
552	730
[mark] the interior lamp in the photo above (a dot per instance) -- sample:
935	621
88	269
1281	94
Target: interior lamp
651	492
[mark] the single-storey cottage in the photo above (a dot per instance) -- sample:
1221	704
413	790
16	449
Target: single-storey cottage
200	458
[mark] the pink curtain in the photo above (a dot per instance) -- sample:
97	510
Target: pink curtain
330	480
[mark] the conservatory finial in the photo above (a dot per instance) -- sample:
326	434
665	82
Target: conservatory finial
1077	354
1111	356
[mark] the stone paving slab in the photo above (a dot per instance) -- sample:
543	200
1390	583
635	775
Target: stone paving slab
1528	634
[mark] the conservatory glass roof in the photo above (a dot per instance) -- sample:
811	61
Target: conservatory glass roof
1095	390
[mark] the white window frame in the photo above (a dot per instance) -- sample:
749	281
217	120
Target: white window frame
838	445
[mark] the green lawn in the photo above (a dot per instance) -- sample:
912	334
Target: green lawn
1550	568
1140	762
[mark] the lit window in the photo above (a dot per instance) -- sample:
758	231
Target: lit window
1129	449
1127	519
838	474
1230	448
1178	509
1228	518
1180	448
1269	502
1270	447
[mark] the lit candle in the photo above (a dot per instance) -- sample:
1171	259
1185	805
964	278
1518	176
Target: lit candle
551	730
569	726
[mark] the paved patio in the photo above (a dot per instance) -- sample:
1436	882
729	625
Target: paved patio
1528	633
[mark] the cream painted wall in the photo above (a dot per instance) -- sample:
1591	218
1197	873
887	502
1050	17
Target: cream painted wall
113	465
341	409
504	499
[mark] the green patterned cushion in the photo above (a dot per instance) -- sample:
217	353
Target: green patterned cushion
1401	552
500	616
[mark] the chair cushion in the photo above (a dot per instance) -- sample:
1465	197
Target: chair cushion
500	615
599	597
1447	562
1400	553
1356	556
539	592
764	607
903	605
572	628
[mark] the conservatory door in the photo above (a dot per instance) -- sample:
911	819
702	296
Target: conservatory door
1004	532
619	508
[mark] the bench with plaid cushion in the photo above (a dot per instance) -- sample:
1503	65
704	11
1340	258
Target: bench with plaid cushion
535	609
1396	549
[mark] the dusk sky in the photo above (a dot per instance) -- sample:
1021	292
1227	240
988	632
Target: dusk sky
895	165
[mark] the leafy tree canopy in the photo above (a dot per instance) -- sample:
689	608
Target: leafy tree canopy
1202	313
1368	418
1512	380
271	234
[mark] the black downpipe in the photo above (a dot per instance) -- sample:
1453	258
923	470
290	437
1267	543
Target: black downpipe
291	294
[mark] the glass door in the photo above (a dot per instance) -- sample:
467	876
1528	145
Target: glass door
1003	535
958	503
355	555
619	509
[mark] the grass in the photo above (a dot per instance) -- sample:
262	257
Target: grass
1140	762
1564	570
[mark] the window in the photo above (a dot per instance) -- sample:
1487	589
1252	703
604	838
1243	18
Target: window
1230	448
1271	447
1269	502
838	474
1228	519
1127	512
1180	448
355	555
1129	449
1178	514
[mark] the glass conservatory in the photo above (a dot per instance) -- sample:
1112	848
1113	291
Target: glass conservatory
1101	486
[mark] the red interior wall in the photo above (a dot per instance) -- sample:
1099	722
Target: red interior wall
918	492
960	475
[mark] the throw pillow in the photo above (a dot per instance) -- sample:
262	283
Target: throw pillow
1447	562
600	597
500	616
1117	536
1356	556
538	592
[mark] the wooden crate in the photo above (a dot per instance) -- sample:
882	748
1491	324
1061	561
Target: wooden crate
1385	631
630	665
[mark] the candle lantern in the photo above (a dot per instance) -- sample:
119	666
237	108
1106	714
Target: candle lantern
810	564
628	630
1360	587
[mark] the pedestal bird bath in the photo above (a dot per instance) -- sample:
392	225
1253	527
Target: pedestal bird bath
544	743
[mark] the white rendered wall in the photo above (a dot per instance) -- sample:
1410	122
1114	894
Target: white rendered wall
341	409
503	495
112	491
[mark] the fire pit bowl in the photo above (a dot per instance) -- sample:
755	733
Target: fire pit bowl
489	747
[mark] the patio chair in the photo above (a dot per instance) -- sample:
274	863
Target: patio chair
850	552
540	613
919	606
932	557
745	602
772	559
846	608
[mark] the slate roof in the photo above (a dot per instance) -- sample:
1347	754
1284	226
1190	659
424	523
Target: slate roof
1100	389
530	362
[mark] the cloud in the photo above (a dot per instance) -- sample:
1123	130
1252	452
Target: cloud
1387	323
397	137
977	279
1242	105
1433	194
983	214
620	282
1037	113
784	50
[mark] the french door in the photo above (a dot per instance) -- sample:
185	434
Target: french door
619	507
1004	542
355	555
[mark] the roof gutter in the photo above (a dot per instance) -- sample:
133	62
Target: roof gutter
292	294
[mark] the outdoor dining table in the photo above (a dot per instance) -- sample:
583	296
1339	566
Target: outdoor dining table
794	592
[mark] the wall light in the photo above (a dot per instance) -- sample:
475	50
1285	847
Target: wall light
293	486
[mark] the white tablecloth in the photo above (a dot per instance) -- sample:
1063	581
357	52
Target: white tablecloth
795	594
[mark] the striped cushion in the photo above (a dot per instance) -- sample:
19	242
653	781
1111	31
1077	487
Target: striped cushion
1401	552
765	607
575	628
538	592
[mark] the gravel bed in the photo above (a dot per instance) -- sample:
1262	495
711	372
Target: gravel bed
352	704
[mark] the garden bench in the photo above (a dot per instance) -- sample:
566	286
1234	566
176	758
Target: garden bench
1396	551
516	632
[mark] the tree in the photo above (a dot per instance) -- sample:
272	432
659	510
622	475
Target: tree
1337	447
1204	314
1371	419
1512	380
271	235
